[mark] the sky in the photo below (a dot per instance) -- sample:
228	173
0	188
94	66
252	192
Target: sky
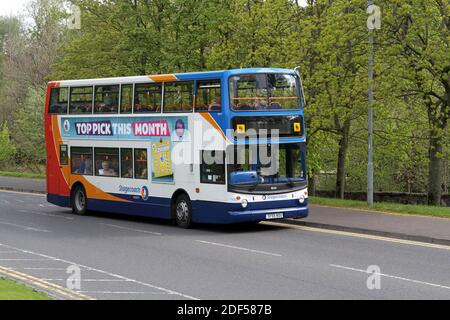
12	7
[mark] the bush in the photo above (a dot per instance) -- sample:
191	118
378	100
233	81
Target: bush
7	149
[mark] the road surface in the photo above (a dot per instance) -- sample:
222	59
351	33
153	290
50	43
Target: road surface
123	257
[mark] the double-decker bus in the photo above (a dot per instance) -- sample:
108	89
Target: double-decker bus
206	147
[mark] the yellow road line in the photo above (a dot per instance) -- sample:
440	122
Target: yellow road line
359	235
44	285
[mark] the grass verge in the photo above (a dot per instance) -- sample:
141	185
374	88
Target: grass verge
443	212
10	290
22	175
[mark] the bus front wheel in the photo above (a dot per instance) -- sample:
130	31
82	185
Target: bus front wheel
79	200
183	211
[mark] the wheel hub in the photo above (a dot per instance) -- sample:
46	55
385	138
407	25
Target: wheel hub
182	211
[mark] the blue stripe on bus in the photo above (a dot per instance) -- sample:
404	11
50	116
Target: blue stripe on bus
203	211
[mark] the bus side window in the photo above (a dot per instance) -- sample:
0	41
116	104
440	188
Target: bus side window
107	162
208	96
140	164
63	154
147	98
58	101
126	98
212	167
81	160
106	99
178	97
126	163
81	100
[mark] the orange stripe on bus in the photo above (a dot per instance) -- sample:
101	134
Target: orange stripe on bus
213	123
163	77
92	191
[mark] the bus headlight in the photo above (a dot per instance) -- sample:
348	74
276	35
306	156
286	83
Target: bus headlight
244	203
301	199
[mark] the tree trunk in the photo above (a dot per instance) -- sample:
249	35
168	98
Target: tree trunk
312	184
437	119
435	171
342	155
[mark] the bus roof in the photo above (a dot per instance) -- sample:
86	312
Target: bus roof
169	77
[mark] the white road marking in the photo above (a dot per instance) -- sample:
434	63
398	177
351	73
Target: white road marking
5	201
46	214
21	201
358	235
130	229
24	227
50	269
120	292
391	276
239	248
91	280
110	274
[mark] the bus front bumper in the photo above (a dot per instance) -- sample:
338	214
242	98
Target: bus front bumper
269	214
227	213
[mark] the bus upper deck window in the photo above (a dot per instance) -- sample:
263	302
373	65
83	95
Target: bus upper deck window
58	101
126	98
147	98
81	100
106	99
208	96
178	97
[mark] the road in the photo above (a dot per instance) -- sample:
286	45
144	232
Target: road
136	258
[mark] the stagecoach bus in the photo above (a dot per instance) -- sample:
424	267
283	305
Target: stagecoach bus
205	147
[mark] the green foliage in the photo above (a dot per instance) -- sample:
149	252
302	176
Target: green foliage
386	207
328	39
7	149
29	128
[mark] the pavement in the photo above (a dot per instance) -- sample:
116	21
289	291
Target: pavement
123	257
23	184
408	227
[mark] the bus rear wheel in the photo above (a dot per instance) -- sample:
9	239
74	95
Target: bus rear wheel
183	211
79	200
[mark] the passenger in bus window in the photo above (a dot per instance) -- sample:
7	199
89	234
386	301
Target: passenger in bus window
106	169
88	165
215	105
127	168
82	168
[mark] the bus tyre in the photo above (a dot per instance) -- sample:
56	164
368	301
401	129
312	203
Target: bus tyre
79	201
183	211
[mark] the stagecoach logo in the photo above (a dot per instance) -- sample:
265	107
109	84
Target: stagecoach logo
144	193
66	126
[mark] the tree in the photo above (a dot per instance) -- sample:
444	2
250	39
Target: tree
419	41
7	149
29	130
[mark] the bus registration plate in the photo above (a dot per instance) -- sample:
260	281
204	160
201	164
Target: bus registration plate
274	215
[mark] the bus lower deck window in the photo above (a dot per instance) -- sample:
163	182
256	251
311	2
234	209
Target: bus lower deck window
81	160
107	162
126	163
140	164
